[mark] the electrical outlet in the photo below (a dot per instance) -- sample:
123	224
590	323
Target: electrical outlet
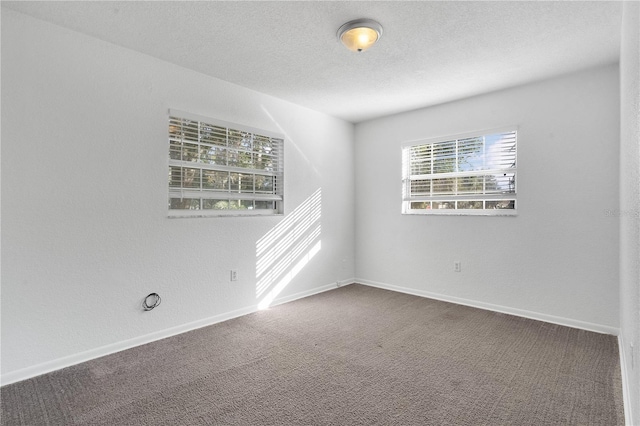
234	275
457	266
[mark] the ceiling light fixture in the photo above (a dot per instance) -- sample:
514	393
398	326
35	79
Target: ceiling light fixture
359	35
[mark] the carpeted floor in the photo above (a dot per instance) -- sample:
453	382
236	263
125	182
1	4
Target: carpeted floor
356	355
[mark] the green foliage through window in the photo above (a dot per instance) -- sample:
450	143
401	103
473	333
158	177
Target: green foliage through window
216	167
464	175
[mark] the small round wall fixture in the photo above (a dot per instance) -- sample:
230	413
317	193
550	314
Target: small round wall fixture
359	35
151	301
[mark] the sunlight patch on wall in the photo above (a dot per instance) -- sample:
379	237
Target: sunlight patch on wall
284	251
275	291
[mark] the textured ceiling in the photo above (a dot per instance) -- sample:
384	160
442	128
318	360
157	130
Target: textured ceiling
430	52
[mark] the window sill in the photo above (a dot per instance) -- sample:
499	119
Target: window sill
205	214
443	212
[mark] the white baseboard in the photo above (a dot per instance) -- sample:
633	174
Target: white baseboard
626	394
57	364
303	294
598	328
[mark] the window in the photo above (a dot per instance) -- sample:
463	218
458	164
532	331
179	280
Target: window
467	174
218	168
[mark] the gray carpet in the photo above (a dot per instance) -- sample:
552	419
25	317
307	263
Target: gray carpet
351	356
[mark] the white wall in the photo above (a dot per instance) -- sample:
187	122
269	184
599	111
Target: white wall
558	259
630	204
85	233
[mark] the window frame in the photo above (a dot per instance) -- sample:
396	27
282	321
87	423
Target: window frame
407	199
276	194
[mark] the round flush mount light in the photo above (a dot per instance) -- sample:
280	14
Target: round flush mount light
359	35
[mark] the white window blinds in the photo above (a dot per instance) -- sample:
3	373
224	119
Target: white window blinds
470	174
218	168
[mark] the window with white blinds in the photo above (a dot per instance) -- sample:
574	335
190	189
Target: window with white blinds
468	174
218	168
